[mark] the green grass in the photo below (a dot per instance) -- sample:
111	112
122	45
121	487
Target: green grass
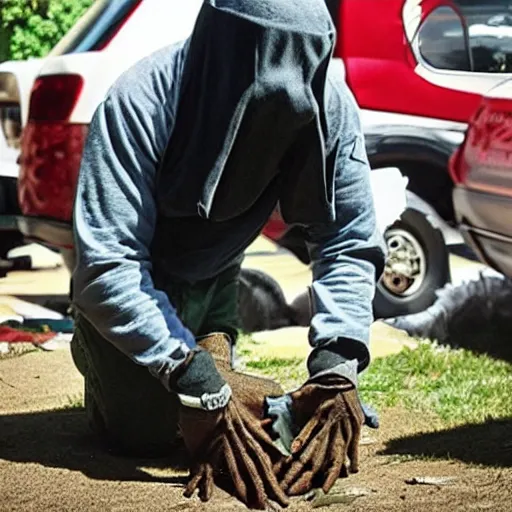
75	401
456	385
289	372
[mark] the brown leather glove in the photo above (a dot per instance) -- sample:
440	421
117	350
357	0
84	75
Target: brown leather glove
250	390
228	446
330	417
233	454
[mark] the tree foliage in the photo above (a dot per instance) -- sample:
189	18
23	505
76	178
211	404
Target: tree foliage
31	28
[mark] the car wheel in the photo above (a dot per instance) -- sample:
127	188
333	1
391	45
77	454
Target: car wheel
416	267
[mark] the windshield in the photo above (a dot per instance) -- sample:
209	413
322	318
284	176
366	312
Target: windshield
96	27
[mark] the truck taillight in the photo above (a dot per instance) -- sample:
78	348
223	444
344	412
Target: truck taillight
50	161
53	97
457	166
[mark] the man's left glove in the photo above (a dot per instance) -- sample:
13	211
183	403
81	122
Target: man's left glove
329	415
251	390
226	442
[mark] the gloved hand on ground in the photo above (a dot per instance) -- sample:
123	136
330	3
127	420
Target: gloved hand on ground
233	455
329	415
224	437
250	390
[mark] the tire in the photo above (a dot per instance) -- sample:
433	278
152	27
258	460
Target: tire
418	232
261	302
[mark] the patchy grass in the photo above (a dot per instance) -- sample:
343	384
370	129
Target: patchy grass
456	385
289	372
17	350
397	458
75	401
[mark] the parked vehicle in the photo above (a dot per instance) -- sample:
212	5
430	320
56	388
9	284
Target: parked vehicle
16	79
413	75
482	171
107	40
418	70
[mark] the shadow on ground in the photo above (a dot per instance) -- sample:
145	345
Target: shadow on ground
488	443
60	439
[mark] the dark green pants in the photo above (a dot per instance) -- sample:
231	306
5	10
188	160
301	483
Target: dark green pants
129	408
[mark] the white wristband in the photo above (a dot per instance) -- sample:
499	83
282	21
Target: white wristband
208	401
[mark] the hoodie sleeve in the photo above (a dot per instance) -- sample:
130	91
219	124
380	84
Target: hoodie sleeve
114	221
348	257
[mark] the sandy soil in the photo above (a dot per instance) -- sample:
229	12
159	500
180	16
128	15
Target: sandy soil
49	462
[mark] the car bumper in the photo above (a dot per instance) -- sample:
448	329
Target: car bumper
484	221
50	232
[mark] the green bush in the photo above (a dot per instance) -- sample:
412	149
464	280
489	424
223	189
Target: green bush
31	28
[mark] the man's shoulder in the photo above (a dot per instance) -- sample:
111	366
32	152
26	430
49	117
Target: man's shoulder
337	88
151	79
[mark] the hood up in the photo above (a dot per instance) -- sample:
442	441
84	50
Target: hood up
251	113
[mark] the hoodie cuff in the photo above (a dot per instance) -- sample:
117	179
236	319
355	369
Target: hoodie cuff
340	357
199	384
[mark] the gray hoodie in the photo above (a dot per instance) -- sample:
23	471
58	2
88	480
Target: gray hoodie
189	154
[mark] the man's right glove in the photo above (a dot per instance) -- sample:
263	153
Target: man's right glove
227	444
329	415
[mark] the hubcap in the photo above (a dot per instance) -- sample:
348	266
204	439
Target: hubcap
406	264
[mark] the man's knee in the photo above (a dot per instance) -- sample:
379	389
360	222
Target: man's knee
128	408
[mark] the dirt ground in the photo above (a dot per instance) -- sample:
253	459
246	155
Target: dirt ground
49	462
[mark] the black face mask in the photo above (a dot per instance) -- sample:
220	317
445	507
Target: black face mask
251	112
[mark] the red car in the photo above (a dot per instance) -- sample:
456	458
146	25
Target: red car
482	171
417	68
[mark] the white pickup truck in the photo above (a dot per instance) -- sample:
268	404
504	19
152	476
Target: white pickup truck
16	79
